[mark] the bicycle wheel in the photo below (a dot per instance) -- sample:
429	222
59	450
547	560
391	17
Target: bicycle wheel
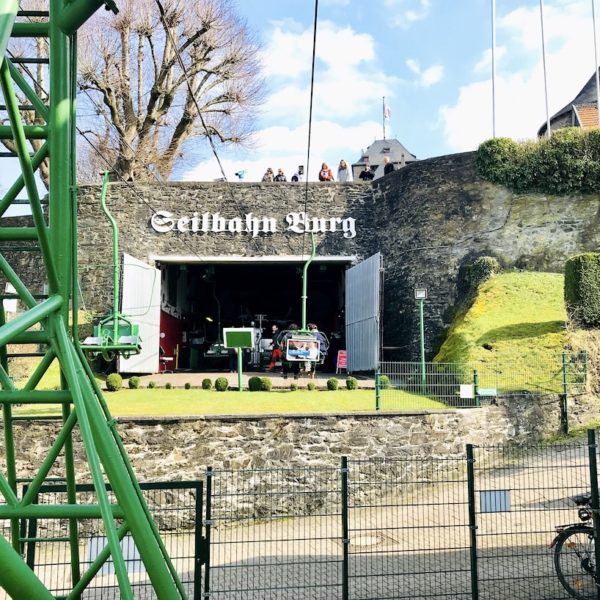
574	562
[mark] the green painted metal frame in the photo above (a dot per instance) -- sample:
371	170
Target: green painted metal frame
80	399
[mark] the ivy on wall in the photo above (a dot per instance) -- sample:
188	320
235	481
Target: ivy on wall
582	289
568	162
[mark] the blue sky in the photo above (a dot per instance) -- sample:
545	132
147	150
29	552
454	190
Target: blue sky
429	58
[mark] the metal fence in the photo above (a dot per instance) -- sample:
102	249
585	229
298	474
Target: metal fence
177	510
465	385
475	526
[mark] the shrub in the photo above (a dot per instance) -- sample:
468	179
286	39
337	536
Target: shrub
151	385
484	268
384	382
311	385
561	164
293	386
188	385
582	289
207	384
332	384
267	384
255	384
134	383
221	384
114	382
168	385
351	383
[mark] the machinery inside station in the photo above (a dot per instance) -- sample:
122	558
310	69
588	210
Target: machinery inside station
199	299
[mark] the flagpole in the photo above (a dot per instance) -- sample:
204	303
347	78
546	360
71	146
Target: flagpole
596	61
494	68
383	116
548	130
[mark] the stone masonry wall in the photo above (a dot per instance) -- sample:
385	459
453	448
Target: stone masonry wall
182	448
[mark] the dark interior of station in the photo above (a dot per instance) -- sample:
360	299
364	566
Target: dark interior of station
199	300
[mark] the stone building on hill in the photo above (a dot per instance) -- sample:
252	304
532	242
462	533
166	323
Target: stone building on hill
377	151
582	111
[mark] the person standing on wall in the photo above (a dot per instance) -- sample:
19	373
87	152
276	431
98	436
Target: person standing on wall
344	173
366	174
388	166
325	174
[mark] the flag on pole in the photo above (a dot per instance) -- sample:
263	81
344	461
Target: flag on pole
387	112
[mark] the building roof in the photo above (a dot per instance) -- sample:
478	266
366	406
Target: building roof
587	115
379	149
585	97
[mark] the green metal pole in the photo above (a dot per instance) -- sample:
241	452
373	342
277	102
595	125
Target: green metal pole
305	280
422	339
28	318
9	441
8	13
472	522
17	578
476	387
115	241
76	13
239	368
377	390
565	396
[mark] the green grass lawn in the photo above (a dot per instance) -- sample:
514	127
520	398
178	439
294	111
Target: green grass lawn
515	327
196	402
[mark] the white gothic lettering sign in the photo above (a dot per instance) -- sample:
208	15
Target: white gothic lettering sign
164	221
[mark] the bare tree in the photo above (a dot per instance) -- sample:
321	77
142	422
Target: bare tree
142	107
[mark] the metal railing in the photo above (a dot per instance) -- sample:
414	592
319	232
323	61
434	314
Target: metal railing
466	385
474	526
177	510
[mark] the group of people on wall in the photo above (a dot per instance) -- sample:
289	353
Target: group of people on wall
344	173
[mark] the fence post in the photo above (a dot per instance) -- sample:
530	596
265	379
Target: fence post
476	387
472	522
200	548
377	390
207	527
345	529
564	407
595	503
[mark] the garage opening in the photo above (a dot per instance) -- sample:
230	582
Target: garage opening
199	299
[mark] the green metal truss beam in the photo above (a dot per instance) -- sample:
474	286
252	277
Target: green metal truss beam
81	401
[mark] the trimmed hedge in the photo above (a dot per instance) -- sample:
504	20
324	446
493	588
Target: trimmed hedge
267	384
207	384
582	289
384	382
168	385
114	382
221	384
332	384
293	386
311	385
188	385
151	385
134	383
255	384
568	162
351	383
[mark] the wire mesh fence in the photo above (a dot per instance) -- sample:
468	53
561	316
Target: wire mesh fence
274	533
45	544
488	523
465	385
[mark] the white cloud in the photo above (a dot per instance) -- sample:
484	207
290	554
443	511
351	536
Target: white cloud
427	77
404	13
484	65
520	104
283	147
348	79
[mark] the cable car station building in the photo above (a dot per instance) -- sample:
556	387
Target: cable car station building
197	257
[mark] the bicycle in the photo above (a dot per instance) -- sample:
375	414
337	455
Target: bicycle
574	553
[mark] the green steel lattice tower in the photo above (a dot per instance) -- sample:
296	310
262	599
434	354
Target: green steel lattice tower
46	323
